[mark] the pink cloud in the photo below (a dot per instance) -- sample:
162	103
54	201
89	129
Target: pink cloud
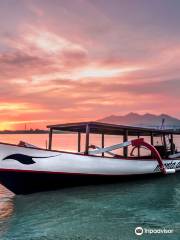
84	69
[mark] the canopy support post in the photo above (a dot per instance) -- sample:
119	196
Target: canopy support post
152	142
172	144
50	138
79	142
164	141
138	146
152	139
165	145
87	140
125	139
102	143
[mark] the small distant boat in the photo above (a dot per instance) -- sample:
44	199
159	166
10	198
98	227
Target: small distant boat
25	168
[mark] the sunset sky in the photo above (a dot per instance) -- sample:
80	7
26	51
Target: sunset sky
76	60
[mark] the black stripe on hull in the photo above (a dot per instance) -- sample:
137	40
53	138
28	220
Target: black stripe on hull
30	182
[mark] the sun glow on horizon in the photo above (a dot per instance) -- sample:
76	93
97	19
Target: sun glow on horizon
5	126
14	125
87	60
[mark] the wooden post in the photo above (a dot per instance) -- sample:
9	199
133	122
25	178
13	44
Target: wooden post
79	141
164	141
165	145
87	140
50	138
125	138
102	143
152	139
152	142
138	147
172	144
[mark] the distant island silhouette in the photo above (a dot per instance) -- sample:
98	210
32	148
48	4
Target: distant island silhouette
144	120
130	119
30	131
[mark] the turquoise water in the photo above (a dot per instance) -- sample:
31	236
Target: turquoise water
94	212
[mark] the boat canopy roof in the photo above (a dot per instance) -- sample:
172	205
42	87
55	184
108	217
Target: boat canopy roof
110	129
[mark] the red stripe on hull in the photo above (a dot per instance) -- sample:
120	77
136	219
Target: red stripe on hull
68	173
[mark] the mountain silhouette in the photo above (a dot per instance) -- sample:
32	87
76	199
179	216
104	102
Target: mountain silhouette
146	120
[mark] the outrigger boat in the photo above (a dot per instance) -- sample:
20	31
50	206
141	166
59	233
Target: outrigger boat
26	169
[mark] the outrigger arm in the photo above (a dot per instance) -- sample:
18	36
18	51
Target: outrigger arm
96	147
110	148
136	143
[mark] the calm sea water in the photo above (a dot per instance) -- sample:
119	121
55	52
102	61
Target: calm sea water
92	212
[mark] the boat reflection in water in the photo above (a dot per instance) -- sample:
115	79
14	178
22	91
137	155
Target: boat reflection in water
6	208
6	203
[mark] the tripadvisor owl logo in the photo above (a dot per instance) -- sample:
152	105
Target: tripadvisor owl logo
139	231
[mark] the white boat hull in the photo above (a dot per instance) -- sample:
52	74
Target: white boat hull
25	170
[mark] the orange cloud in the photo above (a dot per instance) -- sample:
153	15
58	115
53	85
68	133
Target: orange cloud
48	76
